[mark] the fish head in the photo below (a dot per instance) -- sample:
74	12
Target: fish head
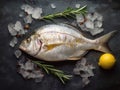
31	45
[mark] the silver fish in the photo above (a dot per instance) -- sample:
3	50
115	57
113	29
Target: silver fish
58	42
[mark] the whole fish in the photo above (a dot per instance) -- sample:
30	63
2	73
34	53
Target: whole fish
57	42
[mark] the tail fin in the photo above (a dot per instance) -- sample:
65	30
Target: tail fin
102	42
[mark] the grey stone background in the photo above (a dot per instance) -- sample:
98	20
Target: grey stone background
103	80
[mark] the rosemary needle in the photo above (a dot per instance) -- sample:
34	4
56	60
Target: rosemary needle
51	69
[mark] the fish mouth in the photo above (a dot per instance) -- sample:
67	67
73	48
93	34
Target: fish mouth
22	48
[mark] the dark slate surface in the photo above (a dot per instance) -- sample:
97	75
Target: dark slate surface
103	80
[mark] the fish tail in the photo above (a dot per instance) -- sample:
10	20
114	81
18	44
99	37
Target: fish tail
101	42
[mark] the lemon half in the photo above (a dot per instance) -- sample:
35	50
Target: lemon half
107	61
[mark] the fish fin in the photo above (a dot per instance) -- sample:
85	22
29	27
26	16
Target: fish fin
74	58
102	42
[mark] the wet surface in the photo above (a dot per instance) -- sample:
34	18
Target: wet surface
103	80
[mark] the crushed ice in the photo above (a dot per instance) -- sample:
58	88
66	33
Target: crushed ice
53	5
84	70
35	12
79	18
21	14
11	29
29	70
92	22
18	26
27	8
18	53
77	5
13	42
28	19
16	29
89	24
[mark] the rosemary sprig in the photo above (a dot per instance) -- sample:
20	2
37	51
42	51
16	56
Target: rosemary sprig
67	12
51	69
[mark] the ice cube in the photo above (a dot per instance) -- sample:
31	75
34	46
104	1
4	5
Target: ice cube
85	81
78	64
90	72
24	73
11	29
37	13
23	6
21	32
35	75
77	5
76	71
83	27
38	73
98	24
13	42
83	61
27	8
98	16
94	23
89	24
29	65
53	5
94	17
18	53
96	31
79	18
28	19
89	16
18	26
28	70
21	14
84	70
91	67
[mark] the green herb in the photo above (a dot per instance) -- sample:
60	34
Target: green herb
51	69
67	12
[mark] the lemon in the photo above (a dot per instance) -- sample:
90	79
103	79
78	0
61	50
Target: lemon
107	61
